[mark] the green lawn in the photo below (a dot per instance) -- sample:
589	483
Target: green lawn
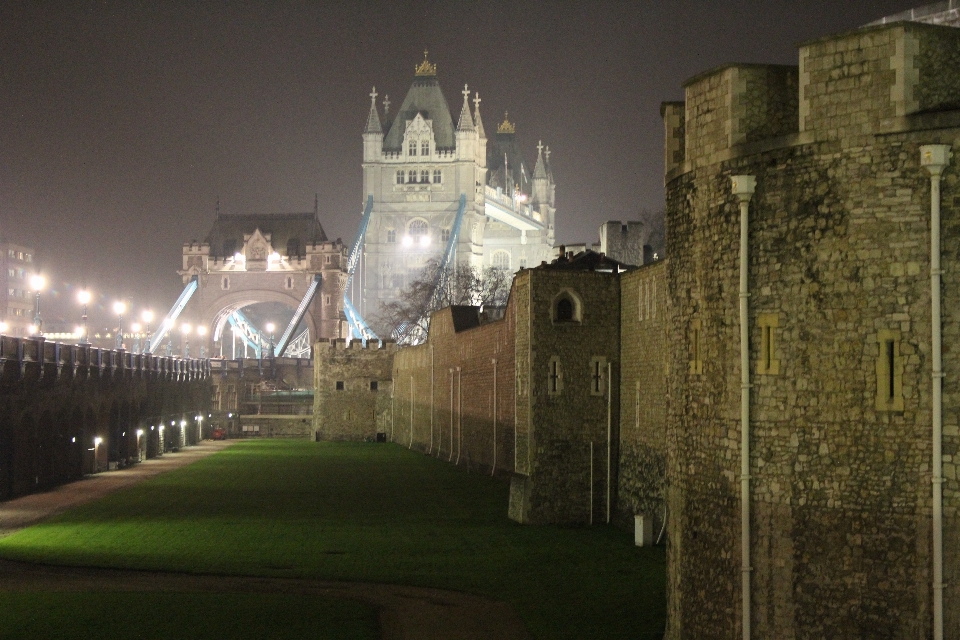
185	616
363	512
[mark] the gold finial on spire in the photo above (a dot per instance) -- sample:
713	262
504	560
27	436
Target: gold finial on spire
506	126
425	68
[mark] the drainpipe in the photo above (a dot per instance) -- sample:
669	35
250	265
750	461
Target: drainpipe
935	157
743	187
609	431
432	385
450	459
459	414
493	469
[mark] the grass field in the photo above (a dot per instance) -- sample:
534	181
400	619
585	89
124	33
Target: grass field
363	512
185	616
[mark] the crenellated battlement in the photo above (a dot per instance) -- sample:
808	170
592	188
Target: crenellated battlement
357	345
847	87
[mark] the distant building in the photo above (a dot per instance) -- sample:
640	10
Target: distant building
16	297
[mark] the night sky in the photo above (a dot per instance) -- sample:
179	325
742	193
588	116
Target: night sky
122	123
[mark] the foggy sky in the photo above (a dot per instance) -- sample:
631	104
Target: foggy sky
122	123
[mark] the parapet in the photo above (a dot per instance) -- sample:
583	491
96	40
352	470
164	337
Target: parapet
733	105
335	344
858	82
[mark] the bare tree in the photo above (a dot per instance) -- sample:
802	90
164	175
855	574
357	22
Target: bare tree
407	318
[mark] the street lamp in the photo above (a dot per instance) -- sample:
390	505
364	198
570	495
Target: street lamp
202	332
83	297
147	317
37	283
119	308
4	327
270	328
185	328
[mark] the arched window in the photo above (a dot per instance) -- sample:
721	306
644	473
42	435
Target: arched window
418	227
425	148
412	176
400	176
437	176
412	148
500	260
425	176
566	308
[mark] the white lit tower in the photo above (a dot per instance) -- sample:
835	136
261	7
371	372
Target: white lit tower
416	166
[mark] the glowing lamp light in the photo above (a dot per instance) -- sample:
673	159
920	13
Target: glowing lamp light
3	327
185	328
136	327
32	329
274	257
78	331
271	327
201	331
139	432
407	241
424	241
238	257
147	316
37	282
97	441
119	307
83	297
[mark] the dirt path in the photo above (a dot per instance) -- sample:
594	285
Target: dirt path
405	612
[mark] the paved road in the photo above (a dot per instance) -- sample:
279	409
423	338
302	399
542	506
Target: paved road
406	613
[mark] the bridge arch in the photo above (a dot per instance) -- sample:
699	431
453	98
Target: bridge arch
214	315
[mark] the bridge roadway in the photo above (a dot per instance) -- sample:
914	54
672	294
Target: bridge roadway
406	613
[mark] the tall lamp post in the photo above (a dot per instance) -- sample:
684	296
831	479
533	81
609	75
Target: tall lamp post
147	317
185	328
83	297
270	328
37	283
119	308
202	332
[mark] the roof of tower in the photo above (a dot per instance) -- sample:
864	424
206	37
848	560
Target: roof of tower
226	235
505	145
373	120
539	171
476	116
465	123
426	98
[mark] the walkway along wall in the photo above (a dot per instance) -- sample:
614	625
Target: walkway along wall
68	410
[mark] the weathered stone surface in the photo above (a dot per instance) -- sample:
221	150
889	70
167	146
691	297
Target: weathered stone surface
352	389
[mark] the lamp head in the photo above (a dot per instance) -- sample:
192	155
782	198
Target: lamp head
83	296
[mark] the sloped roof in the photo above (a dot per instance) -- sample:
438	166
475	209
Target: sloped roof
506	144
588	260
226	236
423	97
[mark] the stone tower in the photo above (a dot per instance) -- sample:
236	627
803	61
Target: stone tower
417	164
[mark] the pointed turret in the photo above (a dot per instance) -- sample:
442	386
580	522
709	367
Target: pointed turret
372	133
540	181
466	120
476	117
373	120
466	133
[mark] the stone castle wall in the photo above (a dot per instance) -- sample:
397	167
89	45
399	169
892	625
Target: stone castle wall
839	272
352	389
450	399
643	394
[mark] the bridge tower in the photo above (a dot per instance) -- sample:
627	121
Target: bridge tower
417	163
262	258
